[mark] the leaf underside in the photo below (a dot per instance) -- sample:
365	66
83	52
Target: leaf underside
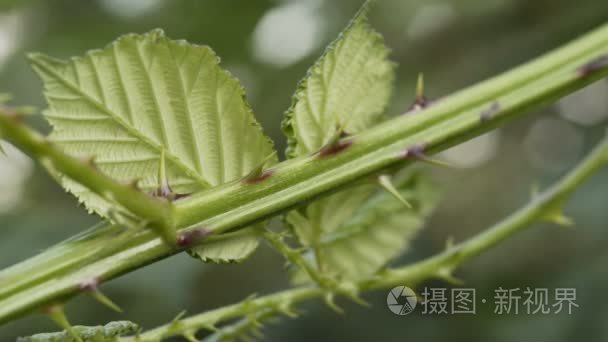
145	95
230	250
378	231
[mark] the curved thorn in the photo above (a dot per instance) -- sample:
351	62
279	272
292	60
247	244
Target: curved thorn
328	298
105	300
190	337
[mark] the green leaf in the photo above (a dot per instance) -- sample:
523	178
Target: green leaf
228	249
379	231
349	87
107	333
144	96
327	214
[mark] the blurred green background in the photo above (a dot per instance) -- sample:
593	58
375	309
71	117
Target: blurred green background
269	45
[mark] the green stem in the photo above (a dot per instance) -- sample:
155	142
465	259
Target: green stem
297	181
155	211
542	207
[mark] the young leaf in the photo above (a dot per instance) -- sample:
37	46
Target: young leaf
348	87
107	333
378	232
145	96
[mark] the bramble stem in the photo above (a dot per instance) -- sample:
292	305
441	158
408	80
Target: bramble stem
545	206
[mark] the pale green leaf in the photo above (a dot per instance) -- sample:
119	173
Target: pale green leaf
228	249
348	87
107	333
379	231
145	94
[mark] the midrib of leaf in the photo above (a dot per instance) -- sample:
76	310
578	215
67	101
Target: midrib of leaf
150	85
186	103
130	129
218	130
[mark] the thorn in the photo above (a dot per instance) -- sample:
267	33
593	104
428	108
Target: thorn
179	316
446	275
190	237
190	337
286	309
258	174
420	100
58	316
593	66
385	182
420	87
417	152
351	291
328	298
489	113
209	326
251	297
92	286
534	190
103	299
175	324
163	190
335	148
357	299
559	219
254	321
336	143
449	242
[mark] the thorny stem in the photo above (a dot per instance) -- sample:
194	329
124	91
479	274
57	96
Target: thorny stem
153	210
544	207
297	181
